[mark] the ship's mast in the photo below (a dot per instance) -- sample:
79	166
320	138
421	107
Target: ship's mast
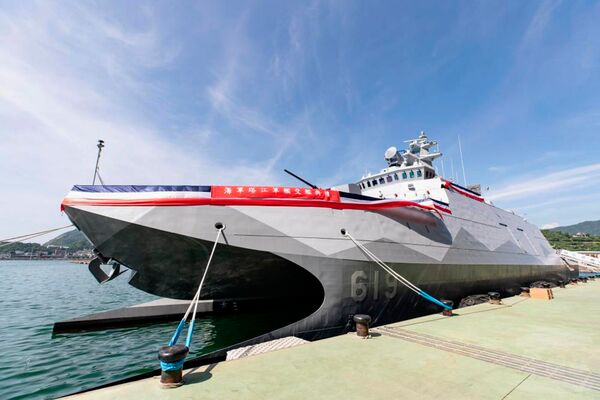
100	145
420	150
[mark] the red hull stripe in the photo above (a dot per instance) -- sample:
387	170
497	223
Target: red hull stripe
273	192
450	185
249	202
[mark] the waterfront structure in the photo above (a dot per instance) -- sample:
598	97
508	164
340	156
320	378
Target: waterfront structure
282	243
589	253
523	348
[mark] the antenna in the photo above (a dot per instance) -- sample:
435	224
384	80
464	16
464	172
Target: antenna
443	169
100	145
452	166
300	179
462	162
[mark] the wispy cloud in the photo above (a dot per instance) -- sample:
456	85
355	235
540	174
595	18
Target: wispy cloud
550	225
60	92
214	93
563	181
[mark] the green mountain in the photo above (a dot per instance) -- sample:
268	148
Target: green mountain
20	246
74	240
566	241
591	227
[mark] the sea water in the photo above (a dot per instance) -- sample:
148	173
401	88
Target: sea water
36	365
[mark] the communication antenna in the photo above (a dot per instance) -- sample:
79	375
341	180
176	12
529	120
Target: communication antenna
443	169
462	162
100	145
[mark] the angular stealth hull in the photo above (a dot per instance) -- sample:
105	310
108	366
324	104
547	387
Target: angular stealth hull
278	250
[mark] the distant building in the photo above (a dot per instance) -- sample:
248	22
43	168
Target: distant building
595	254
581	234
82	254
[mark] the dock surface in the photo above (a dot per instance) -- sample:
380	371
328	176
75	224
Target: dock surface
522	349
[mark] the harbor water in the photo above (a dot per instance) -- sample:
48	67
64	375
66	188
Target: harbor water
36	365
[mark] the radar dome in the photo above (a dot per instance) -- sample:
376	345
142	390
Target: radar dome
393	156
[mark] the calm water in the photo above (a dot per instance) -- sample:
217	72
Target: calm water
34	364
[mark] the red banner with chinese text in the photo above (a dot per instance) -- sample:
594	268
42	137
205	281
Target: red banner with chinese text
278	192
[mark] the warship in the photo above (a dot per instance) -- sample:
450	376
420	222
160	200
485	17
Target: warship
286	245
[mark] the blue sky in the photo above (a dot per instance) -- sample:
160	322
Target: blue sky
233	92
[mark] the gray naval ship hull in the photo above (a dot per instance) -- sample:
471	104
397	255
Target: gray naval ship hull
298	255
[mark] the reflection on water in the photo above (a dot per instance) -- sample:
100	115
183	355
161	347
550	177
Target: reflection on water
37	365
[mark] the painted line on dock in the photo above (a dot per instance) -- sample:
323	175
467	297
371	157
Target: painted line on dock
265	347
573	376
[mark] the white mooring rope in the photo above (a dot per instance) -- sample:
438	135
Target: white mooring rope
16	239
195	300
394	274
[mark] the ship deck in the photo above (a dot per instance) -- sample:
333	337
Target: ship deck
524	348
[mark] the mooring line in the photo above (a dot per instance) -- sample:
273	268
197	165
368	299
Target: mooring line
15	239
172	357
394	274
195	300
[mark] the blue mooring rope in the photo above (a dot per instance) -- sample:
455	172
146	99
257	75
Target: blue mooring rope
434	300
177	333
188	341
174	366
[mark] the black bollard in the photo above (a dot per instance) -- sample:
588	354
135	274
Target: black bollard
525	291
171	364
445	311
561	284
362	325
495	298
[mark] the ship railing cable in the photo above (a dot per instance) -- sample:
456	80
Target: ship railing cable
394	274
193	306
16	239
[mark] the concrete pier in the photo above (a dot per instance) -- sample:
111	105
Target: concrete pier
523	348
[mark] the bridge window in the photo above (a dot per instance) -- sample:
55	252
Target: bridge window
404	175
395	176
412	174
368	184
419	173
388	178
381	180
374	182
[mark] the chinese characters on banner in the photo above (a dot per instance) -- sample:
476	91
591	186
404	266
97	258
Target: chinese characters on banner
278	192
